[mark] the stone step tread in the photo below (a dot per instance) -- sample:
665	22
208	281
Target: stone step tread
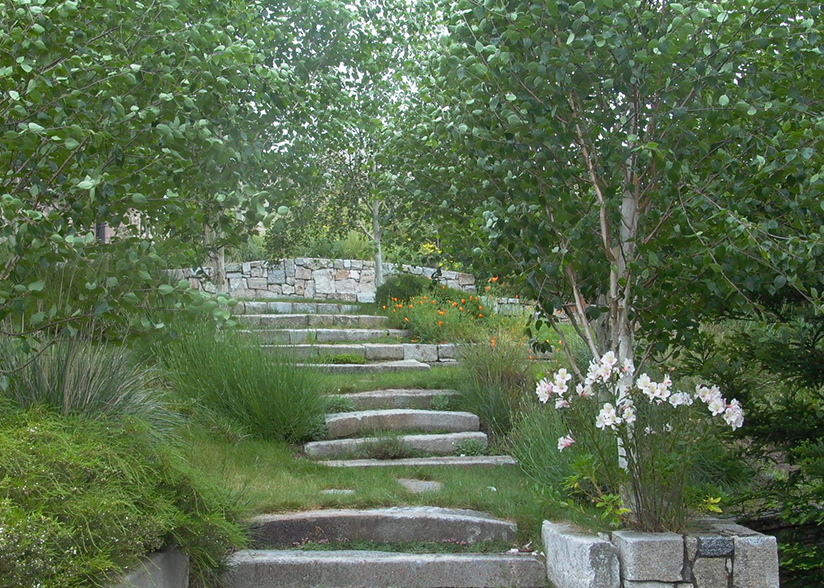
434	444
349	424
374	569
404	365
423	352
407	524
419	462
283	307
394	398
299	320
302	336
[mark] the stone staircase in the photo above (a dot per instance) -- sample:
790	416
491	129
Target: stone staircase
316	332
269	565
412	428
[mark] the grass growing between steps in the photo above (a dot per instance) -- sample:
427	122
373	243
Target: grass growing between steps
271	479
435	378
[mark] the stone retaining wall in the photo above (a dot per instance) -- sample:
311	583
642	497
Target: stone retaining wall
319	279
717	554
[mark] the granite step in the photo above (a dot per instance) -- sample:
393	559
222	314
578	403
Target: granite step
303	336
372	569
407	365
437	444
423	352
405	524
304	320
297	307
452	461
394	398
351	424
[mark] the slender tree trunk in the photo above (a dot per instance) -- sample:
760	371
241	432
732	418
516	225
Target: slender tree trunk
217	261
378	238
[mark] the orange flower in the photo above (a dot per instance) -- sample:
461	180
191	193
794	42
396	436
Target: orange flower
530	357
480	316
441	312
411	306
495	279
460	308
440	323
463	300
480	308
454	304
406	319
384	307
487	288
443	287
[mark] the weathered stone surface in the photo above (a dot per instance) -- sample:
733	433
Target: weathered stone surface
257	283
356	569
441	444
395	398
165	569
347	424
448	351
371	322
420	352
631	584
381	525
711	572
715	546
366	297
579	560
468	461
382	351
420	486
302	273
755	564
348	286
381	367
276	276
324	281
656	557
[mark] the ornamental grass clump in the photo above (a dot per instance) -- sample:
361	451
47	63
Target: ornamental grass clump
637	442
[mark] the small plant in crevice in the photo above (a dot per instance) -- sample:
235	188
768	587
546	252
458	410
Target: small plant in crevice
386	448
337	403
471	447
441	402
343	359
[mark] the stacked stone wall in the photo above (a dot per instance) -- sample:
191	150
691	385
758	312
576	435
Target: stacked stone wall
318	279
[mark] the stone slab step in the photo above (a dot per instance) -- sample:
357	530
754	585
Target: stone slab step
394	398
454	461
302	307
406	524
302	320
350	424
372	569
442	444
302	336
423	352
408	365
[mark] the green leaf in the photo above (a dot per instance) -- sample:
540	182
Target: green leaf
723	100
36	286
165	289
70	143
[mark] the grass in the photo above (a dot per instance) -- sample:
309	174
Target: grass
436	378
272	479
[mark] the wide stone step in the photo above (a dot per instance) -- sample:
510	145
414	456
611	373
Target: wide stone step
303	320
403	365
441	444
425	353
297	307
372	569
394	398
350	424
302	336
454	461
380	525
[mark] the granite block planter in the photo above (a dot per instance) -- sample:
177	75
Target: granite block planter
713	554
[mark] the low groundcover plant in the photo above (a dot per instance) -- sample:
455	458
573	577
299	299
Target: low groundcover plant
637	441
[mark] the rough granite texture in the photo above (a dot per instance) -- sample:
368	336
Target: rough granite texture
579	560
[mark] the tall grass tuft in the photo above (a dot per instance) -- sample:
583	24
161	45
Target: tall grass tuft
497	383
227	375
95	381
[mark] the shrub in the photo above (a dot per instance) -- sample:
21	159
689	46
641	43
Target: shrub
402	287
434	320
497	383
226	373
80	500
84	379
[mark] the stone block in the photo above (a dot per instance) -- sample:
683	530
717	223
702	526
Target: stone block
447	351
287	289
355	275
302	273
466	279
347	263
579	560
257	283
257	272
650	557
755	564
340	264
324	281
246	268
341	274
289	268
357	264
380	351
233	275
366	297
276	276
348	424
348	286
237	284
711	572
715	546
300	287
631	584
232	267
420	352
165	569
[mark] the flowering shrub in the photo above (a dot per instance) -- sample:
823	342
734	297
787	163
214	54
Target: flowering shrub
435	320
636	437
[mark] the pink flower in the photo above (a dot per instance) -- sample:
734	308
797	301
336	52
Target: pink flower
564	442
734	415
543	390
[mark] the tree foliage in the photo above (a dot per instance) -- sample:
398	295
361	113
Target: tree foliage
648	161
